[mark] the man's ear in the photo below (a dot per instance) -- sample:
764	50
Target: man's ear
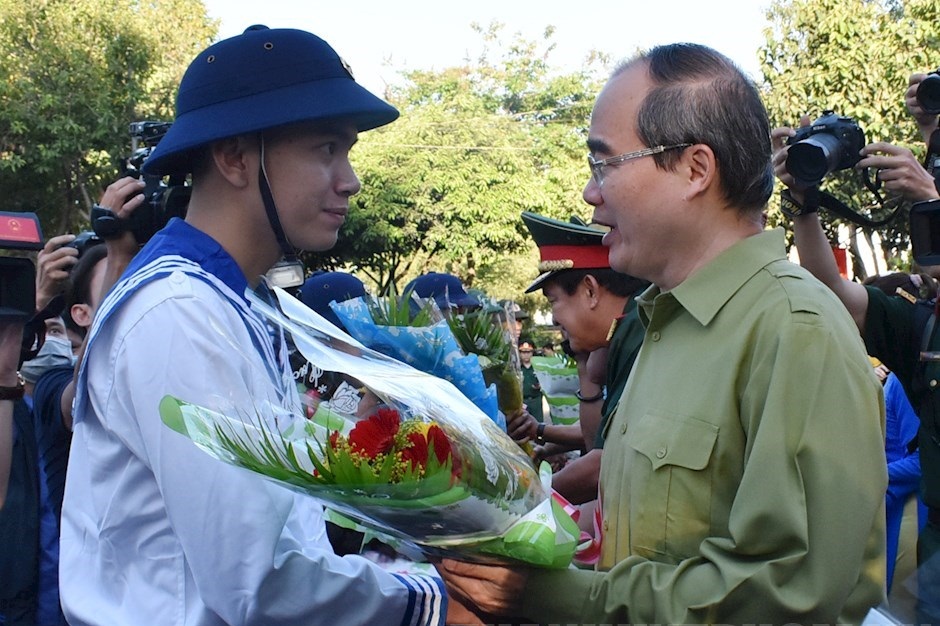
699	165
82	315
236	159
591	290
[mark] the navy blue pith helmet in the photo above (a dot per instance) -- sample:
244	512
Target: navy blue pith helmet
446	289
263	78
325	287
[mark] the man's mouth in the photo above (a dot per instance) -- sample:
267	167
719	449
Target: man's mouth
338	211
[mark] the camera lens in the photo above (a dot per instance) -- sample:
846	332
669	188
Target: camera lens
928	94
810	160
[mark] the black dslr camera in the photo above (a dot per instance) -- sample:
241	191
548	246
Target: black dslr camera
829	144
925	232
163	200
928	93
84	241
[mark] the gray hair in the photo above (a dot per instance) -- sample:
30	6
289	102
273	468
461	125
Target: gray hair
701	96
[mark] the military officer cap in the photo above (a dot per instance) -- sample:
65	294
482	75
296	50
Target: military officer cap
564	246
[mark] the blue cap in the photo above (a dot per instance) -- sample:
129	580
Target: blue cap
446	289
262	79
324	287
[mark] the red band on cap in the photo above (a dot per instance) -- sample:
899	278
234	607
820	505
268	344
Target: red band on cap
582	256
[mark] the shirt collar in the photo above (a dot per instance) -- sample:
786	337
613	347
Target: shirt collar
179	238
706	291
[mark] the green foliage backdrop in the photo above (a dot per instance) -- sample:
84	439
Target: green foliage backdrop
853	57
73	75
477	144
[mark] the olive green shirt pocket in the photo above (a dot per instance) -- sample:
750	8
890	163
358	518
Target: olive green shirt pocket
671	470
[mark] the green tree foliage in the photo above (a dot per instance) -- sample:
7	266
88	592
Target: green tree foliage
73	75
853	57
444	186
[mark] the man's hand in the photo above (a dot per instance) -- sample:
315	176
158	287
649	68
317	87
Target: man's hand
459	614
882	372
779	137
596	366
926	122
899	171
490	589
122	196
53	265
521	426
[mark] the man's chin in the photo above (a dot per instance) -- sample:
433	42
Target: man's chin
322	245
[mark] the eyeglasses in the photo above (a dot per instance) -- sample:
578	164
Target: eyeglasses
597	167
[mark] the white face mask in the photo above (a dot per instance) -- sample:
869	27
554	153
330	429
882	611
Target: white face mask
55	352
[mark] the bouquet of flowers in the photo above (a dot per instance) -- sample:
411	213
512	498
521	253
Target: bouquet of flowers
414	331
558	377
484	333
427	467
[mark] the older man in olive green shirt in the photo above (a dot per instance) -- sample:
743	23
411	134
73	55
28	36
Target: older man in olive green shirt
735	468
743	473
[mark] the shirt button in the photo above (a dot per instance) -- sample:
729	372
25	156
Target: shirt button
606	526
654	335
177	277
623	429
933	383
661	453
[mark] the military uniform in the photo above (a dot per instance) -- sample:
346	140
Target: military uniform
625	344
572	245
531	389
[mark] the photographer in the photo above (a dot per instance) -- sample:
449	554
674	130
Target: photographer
892	327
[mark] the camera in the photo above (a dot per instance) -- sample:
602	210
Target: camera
85	240
928	93
18	231
163	200
925	232
829	144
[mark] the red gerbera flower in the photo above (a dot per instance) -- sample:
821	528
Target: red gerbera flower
417	451
375	435
441	443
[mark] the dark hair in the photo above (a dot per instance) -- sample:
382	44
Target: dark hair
921	286
622	285
701	96
78	290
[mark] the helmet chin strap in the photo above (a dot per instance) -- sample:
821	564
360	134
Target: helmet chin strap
289	271
271	209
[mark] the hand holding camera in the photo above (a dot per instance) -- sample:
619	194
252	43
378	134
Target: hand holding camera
923	101
161	200
899	171
53	265
120	199
780	140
